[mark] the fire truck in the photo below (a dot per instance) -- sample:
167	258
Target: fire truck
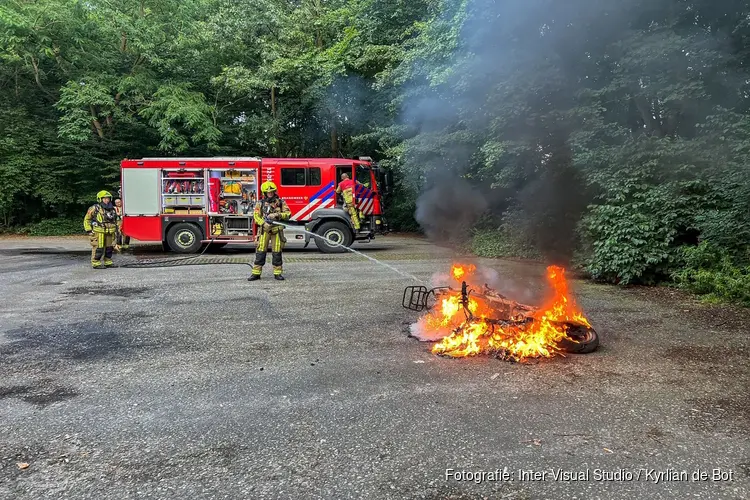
186	203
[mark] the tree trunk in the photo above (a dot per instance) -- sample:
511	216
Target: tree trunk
273	101
334	138
97	124
37	78
647	114
275	124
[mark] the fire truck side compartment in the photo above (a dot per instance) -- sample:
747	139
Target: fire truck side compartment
143	228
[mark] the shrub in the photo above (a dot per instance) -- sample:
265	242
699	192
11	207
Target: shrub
506	241
60	226
709	271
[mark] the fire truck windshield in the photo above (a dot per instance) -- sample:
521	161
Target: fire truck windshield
364	176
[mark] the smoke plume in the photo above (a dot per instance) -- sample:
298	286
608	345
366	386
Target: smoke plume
508	63
448	208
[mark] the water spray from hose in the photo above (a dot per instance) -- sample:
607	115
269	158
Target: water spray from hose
337	244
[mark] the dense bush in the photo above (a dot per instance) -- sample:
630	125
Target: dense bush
710	271
509	239
60	226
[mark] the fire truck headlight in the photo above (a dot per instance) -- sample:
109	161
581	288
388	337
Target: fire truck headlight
378	221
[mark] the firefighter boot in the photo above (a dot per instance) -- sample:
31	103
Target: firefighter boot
279	277
254	277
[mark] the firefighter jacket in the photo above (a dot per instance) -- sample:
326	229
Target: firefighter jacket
100	220
346	188
267	207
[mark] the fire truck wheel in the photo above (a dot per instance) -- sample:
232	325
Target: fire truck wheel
580	340
338	233
184	238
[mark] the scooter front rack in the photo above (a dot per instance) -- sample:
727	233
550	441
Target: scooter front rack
416	297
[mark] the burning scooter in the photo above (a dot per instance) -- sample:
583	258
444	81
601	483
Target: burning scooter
468	321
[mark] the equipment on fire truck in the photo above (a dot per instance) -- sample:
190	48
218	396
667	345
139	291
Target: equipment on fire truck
182	192
232	187
214	191
228	206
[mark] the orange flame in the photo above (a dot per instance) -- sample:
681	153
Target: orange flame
535	333
459	271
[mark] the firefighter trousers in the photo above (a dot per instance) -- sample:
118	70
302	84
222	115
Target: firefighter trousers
351	208
353	215
102	245
276	243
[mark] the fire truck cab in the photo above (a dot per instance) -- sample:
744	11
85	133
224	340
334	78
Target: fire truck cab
186	203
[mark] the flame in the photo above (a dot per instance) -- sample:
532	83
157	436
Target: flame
458	271
529	334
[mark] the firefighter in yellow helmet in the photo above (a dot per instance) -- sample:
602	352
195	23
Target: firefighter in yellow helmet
268	209
101	224
346	188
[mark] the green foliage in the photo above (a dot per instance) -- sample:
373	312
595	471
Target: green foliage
60	226
710	271
181	117
634	101
509	239
400	208
496	244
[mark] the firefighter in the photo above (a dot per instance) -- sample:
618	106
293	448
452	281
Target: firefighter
270	208
123	240
101	224
346	189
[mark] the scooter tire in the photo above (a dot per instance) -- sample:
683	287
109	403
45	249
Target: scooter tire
580	340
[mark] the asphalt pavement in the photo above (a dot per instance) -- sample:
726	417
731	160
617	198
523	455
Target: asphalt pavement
187	381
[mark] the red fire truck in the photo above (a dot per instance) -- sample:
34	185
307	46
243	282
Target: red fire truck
186	203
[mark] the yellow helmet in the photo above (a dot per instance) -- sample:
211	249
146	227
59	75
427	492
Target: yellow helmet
103	194
267	186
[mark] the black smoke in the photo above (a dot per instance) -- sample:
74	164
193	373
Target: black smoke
500	44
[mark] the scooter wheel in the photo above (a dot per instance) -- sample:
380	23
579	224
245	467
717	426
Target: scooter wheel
580	340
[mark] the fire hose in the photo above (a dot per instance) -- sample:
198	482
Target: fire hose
174	261
161	262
